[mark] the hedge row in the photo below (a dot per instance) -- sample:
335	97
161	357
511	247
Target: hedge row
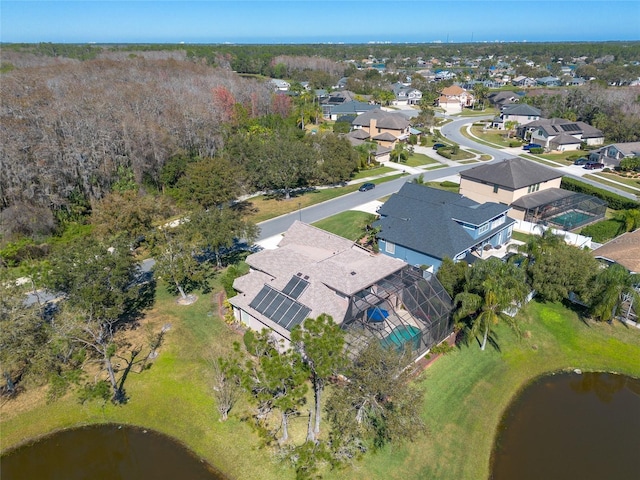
614	201
603	231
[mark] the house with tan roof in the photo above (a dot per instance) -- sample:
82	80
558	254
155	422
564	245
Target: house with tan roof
385	128
624	250
454	98
373	297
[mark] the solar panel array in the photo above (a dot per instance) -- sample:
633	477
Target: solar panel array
295	287
279	308
570	127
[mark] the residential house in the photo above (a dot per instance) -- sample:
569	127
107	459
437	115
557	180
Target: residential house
503	98
385	128
353	107
454	98
406	95
533	192
280	85
611	155
624	250
335	98
549	81
553	134
521	114
378	153
522	81
372	297
423	225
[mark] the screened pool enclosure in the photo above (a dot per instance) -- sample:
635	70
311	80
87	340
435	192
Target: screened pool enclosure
408	309
561	208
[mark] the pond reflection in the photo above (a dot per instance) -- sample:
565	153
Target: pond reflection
109	452
568	426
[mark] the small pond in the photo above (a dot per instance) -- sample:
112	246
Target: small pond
571	425
109	452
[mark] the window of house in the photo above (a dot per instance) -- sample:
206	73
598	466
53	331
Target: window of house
533	188
483	228
496	188
390	247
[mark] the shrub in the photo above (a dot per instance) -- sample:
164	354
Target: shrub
614	201
514	144
602	231
628	164
536	150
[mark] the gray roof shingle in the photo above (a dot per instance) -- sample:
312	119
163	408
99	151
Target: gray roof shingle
427	220
512	173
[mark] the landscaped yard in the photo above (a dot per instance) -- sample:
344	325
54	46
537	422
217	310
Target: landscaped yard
493	136
350	224
466	393
419	159
372	172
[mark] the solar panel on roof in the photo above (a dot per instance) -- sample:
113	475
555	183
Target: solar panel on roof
259	297
295	287
279	308
571	127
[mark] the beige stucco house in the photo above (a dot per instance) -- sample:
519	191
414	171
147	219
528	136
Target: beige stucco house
454	98
384	128
533	192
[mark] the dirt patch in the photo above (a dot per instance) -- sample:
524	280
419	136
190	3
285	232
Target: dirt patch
188	300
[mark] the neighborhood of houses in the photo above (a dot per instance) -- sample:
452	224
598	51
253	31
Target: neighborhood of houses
393	295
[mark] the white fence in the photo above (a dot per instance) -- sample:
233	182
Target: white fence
537	229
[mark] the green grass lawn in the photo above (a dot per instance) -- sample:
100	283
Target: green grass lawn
497	137
466	393
372	172
419	159
350	224
600	178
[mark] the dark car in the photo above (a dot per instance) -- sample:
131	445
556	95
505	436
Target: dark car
581	161
529	146
593	165
436	146
367	186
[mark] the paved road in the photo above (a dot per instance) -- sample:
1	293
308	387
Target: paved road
314	213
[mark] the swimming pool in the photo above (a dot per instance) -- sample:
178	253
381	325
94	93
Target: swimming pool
571	219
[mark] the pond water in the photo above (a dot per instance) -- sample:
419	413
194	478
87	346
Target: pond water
567	426
109	452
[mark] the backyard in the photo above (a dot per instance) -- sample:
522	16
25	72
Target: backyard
466	393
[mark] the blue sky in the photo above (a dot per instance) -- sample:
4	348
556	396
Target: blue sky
316	21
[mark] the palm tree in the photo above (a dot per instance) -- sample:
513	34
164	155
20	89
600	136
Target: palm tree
492	288
613	286
630	219
536	246
399	153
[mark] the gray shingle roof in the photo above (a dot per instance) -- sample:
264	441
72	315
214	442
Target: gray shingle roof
424	219
392	121
521	109
513	173
542	197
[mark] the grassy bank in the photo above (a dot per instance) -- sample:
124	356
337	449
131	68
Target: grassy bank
466	393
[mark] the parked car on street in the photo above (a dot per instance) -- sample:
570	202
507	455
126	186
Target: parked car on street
529	146
436	146
367	186
581	161
593	165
